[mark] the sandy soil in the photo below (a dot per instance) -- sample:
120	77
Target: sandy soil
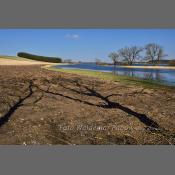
39	106
4	61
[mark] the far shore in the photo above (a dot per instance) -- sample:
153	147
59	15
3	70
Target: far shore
149	67
141	67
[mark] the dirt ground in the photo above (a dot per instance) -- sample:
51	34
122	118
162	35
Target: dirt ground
39	106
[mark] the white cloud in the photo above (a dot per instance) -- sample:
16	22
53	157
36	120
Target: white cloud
72	36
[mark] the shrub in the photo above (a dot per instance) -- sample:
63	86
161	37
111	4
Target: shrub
172	63
39	58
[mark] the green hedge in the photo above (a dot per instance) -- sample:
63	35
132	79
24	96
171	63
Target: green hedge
172	63
39	58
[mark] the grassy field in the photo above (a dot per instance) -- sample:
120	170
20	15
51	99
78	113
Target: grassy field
13	58
112	77
18	61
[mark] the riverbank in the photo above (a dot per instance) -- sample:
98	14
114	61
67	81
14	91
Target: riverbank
40	106
111	77
141	67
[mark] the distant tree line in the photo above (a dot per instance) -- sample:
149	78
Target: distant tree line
39	58
67	61
172	63
151	53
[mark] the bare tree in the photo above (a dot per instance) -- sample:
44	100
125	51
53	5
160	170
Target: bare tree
130	54
68	61
161	54
115	59
154	52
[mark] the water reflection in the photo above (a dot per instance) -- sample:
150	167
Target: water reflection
151	75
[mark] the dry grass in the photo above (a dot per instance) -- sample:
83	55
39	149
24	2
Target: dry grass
21	62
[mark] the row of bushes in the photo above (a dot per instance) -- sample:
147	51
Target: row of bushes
39	58
172	63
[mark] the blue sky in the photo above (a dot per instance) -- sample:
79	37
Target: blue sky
82	44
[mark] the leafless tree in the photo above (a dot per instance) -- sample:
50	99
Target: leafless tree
130	54
154	52
115	59
68	61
